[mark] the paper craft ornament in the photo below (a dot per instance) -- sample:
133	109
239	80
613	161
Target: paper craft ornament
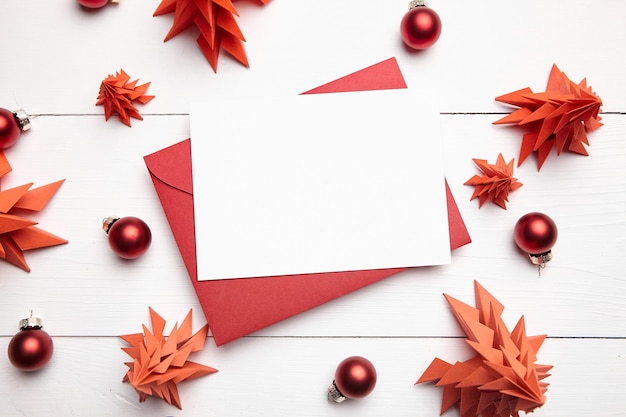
160	362
216	22
495	183
17	233
502	380
559	117
117	95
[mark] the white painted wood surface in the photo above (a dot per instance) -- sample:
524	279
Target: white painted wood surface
54	57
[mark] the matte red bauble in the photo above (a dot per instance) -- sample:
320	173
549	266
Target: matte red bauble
536	233
420	27
31	348
355	377
12	124
93	4
129	237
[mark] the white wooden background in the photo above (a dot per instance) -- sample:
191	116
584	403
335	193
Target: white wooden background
54	56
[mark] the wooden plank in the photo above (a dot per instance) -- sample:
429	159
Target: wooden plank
580	293
289	376
57	54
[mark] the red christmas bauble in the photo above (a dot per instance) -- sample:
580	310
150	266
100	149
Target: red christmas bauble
9	129
129	237
93	4
31	348
420	27
535	233
355	377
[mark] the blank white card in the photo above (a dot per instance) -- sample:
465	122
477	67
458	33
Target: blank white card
318	183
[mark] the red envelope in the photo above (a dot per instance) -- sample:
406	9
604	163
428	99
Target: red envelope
237	307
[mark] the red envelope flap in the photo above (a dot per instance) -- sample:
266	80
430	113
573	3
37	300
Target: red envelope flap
382	76
170	171
166	166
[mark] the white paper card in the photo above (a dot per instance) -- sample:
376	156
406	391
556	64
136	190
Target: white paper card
318	183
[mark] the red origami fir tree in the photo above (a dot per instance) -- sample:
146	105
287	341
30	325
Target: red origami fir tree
502	380
558	118
215	19
17	233
160	362
495	183
118	94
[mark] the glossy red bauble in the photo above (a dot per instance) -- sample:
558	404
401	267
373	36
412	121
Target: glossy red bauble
355	377
93	4
9	128
129	237
535	233
31	348
420	27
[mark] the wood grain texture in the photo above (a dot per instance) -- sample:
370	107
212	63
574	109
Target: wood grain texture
280	376
55	57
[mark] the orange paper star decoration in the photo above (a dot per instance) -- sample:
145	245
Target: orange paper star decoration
503	379
215	19
117	94
558	118
160	362
496	182
17	233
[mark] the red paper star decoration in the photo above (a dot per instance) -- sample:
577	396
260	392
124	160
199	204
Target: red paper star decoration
496	182
117	94
502	379
160	362
17	233
558	118
215	19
